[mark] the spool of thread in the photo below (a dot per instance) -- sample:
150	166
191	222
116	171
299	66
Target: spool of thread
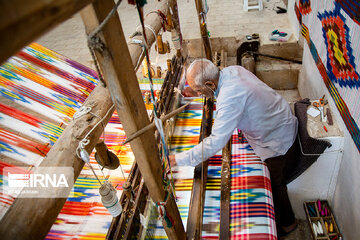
175	38
160	45
158	71
169	23
167	47
147	98
145	71
169	64
109	199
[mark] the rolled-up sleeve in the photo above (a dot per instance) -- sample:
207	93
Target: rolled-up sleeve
224	125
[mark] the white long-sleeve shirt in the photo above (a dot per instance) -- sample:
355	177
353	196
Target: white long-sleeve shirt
245	102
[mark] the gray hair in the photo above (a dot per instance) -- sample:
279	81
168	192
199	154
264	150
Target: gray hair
203	70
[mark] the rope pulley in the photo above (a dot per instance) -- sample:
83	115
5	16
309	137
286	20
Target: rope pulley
104	157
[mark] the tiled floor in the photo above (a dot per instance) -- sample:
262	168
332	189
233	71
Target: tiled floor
302	232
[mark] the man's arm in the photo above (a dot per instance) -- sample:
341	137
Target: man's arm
224	125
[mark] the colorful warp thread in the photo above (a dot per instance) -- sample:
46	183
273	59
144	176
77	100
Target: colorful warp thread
341	68
188	132
31	122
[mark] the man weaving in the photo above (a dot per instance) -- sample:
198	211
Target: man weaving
264	117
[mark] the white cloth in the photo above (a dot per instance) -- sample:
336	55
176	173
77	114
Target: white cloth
245	102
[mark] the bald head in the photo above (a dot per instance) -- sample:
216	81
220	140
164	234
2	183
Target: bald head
202	76
201	71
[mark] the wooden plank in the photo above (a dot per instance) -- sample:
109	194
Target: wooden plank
32	218
224	233
116	65
196	208
203	30
23	21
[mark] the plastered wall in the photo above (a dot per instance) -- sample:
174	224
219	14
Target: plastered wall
346	200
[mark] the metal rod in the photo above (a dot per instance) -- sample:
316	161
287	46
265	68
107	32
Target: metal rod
276	57
152	125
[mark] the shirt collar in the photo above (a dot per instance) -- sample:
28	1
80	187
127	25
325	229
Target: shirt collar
218	85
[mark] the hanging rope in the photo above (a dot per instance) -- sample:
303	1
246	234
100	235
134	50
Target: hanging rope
95	43
80	150
162	18
103	23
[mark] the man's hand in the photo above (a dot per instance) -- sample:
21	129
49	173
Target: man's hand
172	160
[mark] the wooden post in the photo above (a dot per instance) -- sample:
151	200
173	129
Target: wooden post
32	218
225	178
224	233
116	65
22	21
203	30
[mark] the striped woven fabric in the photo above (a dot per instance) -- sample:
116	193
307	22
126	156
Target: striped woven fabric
40	91
251	206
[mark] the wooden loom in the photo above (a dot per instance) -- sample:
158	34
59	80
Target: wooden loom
146	152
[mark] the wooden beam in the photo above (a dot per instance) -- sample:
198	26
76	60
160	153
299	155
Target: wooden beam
203	30
32	218
224	233
116	65
196	208
23	21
